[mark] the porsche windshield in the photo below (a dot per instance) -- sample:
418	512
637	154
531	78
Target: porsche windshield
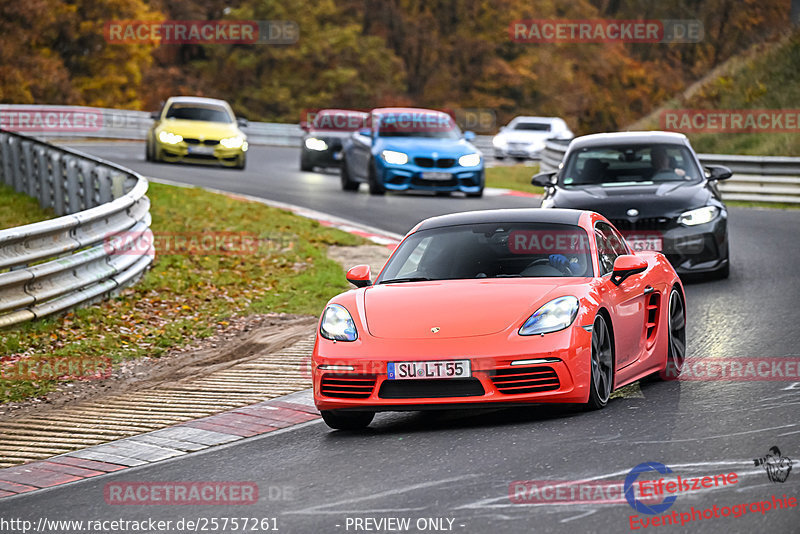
491	250
199	113
610	166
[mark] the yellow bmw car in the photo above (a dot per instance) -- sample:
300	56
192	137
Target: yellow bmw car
198	130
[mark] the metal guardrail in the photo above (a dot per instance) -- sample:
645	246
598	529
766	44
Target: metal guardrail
104	123
51	266
755	178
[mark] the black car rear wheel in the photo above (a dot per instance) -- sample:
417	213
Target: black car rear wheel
347	420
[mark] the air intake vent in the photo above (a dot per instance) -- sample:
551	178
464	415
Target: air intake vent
346	386
430	389
517	380
652	310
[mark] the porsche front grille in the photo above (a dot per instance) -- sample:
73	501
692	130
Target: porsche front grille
345	386
517	380
431	389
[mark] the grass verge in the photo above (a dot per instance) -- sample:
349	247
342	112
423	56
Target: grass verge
186	296
517	177
17	209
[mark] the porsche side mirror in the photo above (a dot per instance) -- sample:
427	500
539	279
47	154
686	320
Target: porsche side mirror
625	266
718	172
366	132
155	115
360	276
242	123
469	135
543	179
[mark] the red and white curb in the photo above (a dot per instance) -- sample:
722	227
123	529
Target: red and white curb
152	447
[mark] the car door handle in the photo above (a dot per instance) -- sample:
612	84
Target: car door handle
648	290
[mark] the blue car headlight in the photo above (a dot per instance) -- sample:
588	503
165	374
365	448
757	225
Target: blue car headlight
337	324
394	158
470	160
556	315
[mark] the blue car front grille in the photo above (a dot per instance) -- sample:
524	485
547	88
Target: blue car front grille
442	163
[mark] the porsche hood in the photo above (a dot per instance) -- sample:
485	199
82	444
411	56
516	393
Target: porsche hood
456	308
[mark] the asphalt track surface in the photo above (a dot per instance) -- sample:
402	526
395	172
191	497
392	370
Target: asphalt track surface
459	465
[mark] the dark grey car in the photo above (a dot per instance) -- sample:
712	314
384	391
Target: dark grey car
653	188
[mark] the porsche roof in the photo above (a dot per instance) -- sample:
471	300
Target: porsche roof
554	216
625	138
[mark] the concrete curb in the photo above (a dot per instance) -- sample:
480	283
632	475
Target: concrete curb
151	447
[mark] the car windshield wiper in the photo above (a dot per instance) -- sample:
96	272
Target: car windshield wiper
408	279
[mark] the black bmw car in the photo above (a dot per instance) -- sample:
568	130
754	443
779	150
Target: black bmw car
652	186
326	130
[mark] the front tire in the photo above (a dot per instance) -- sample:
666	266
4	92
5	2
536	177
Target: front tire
602	376
242	163
375	188
348	184
305	165
148	155
676	341
347	420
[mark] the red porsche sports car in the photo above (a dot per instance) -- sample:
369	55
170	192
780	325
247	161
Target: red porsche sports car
498	307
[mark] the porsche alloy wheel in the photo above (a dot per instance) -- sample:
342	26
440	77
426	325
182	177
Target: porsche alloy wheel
602	377
676	347
347	420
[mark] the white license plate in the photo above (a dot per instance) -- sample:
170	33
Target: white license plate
640	243
436	176
434	369
201	149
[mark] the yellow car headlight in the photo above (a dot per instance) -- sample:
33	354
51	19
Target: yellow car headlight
169	138
232	142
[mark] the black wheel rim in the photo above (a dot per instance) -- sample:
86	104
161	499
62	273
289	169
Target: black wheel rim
602	360
677	333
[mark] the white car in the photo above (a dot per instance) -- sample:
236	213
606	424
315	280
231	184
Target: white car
524	137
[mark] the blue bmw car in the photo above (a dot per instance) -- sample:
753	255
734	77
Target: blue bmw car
410	148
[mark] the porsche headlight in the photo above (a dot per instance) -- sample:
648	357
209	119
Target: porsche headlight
232	142
394	158
312	143
169	138
469	160
337	324
698	216
551	317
